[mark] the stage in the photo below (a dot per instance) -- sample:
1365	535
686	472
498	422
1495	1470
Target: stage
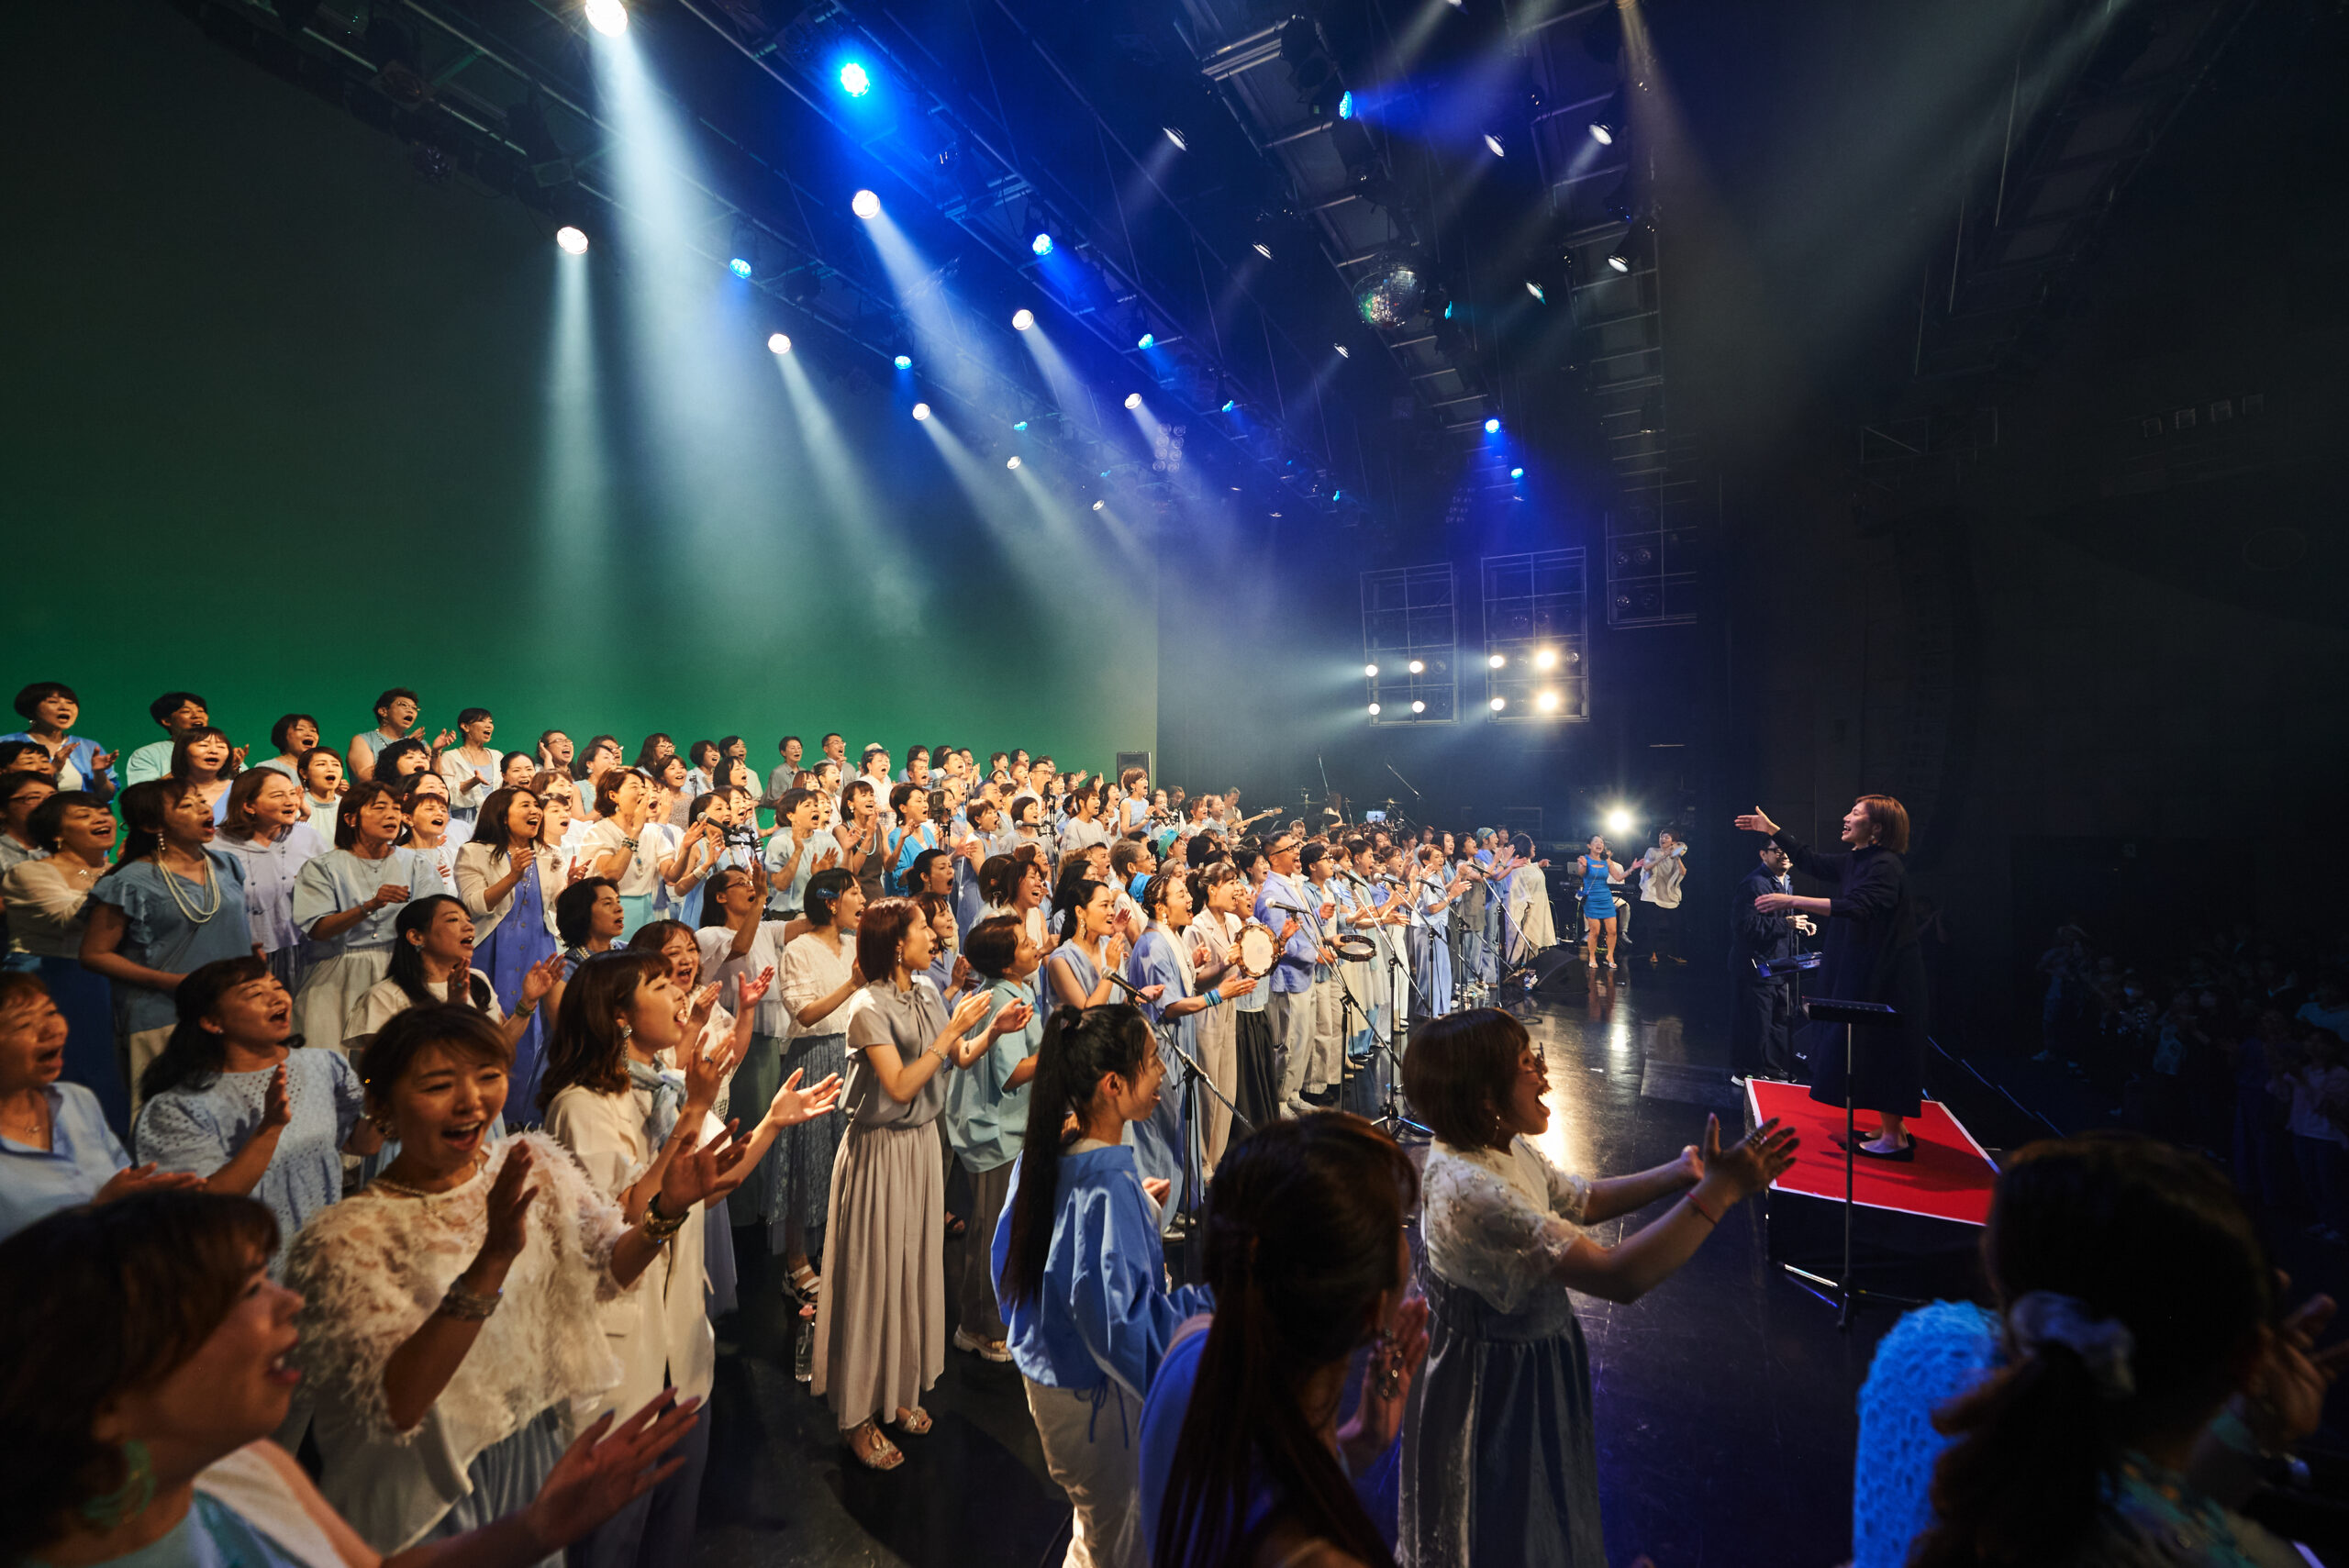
1725	1398
1949	1180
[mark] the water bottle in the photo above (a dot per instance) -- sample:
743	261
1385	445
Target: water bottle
802	1354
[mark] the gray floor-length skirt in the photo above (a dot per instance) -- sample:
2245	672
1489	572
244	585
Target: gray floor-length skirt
799	1167
1500	1459
881	1320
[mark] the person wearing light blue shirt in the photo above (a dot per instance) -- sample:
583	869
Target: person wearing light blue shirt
793	853
986	1119
50	707
1293	1008
1080	1274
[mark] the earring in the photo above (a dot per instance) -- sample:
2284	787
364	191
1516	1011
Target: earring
626	1032
129	1500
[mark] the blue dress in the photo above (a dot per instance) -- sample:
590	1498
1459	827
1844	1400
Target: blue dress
1597	897
83	1156
199	1130
159	932
520	940
1432	959
1160	1140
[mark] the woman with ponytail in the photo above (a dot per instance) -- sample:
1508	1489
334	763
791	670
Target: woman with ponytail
1243	1459
1500	1460
2144	1376
1080	1274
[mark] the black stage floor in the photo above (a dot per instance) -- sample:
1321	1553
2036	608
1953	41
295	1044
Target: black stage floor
1725	1398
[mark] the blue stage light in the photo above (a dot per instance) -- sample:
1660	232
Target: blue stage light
1517	474
1147	339
1229	406
1345	105
738	267
1492	427
904	362
1447	309
1042	245
855	81
1021	426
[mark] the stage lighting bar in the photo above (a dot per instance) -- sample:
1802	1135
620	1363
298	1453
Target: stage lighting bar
1536	636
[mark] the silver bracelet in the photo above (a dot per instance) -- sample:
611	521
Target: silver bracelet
468	1307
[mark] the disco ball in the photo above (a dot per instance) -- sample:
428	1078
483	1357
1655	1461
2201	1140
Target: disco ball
1391	296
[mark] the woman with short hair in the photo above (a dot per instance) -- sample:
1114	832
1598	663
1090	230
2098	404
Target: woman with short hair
819	979
49	709
205	760
293	734
347	901
48	902
472	769
323	787
986	1118
1501	1463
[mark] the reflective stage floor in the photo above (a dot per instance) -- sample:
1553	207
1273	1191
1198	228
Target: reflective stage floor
1725	1398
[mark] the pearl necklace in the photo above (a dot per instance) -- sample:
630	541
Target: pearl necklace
404	1190
211	886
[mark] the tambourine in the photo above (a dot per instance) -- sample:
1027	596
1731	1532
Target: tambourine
1355	947
1258	948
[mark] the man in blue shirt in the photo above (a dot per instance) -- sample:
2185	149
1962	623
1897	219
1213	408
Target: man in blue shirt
1291	1009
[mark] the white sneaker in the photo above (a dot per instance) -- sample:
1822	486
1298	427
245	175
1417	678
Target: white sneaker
986	1350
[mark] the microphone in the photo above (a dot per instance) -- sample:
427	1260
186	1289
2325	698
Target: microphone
1122	983
1290	909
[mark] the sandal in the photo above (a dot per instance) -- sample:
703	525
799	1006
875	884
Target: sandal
913	1423
804	1282
954	1226
879	1454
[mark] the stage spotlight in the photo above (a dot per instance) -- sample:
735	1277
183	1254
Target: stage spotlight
921	410
1175	136
1371	669
1373	710
1133	399
1546	659
1620	257
1345	105
1022	320
865	205
855	81
608	18
1492	427
1262	249
738	267
903	361
1021	425
572	240
1498	704
1417	668
1602	133
1148	339
778	344
1042	245
1229	404
1343	352
1495	143
1548	702
1535	290
1098	505
1495	660
1517	474
1011	462
1618	820
1418	708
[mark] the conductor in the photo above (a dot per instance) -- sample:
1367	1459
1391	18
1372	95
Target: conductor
1871	956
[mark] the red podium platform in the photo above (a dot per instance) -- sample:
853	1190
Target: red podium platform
1949	1180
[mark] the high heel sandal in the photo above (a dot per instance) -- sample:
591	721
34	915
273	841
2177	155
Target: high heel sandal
885	1454
913	1423
806	1284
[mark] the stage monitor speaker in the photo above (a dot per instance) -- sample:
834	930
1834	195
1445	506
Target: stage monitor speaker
1133	760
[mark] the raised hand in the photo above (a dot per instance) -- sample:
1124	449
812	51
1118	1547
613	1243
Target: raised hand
134	1179
277	1103
1755	821
1754	1161
509	1210
827	859
101	760
793	1105
606	1468
580	871
697	1173
237	757
1012	1019
443	740
966	1015
1157	1188
2287	1390
539	980
750	988
1289	929
1234	989
1394	1366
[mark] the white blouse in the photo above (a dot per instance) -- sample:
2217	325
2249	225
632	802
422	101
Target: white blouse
816	965
373	1267
1499	1222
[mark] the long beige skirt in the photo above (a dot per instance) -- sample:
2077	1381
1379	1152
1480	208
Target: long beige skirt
881	1320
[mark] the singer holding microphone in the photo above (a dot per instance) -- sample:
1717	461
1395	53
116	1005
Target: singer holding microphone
1871	956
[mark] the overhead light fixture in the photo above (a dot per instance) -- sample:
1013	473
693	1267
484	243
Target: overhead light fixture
1546	659
903	361
1042	245
1498	704
1492	427
1147	340
1373	710
1020	425
1495	143
1517	474
1343	352
1011	462
573	242
1175	137
1133	399
1346	105
1098	505
1229	404
608	18
1371	671
1418	708
855	81
1262	249
1535	290
921	411
1548	702
1418	667
1618	821
865	205
777	343
1022	320
738	267
1602	133
1495	661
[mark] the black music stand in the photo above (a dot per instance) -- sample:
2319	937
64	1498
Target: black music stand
1790	967
1840	1292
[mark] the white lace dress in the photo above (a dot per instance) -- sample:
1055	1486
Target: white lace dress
1500	1458
372	1268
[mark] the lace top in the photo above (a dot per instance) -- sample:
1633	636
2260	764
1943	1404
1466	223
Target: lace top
1498	1221
372	1268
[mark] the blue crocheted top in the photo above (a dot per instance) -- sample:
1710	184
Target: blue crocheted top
1933	1355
